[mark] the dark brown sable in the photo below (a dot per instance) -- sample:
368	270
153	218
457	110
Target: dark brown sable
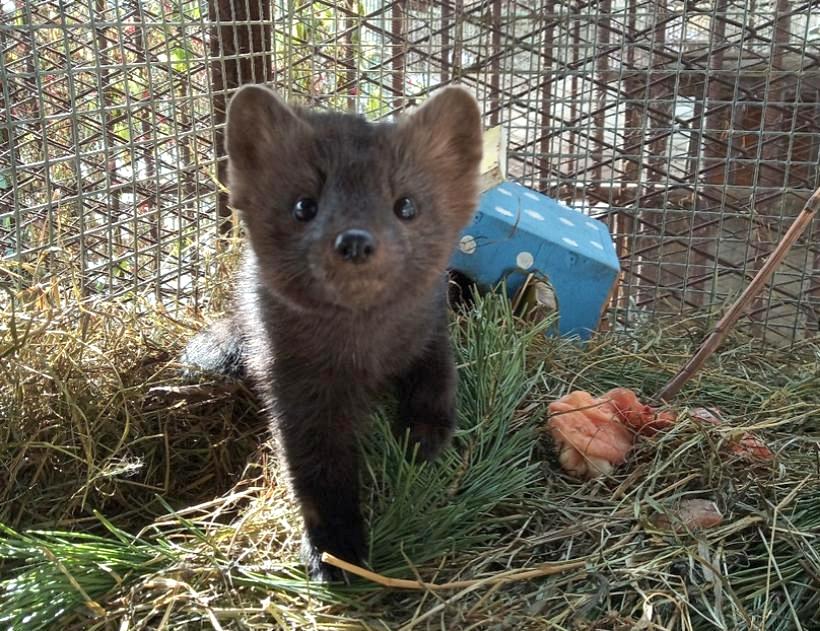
342	292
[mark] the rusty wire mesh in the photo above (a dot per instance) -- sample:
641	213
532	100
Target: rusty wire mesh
692	127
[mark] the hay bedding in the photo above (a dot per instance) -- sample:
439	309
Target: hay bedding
131	501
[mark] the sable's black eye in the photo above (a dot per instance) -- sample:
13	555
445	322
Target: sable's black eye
404	208
305	209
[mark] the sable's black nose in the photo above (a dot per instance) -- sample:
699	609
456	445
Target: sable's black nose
355	245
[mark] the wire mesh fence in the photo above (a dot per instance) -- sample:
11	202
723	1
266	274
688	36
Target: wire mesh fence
691	127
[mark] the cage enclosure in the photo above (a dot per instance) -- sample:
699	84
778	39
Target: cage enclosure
690	129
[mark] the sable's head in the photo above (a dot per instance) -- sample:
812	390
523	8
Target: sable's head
344	212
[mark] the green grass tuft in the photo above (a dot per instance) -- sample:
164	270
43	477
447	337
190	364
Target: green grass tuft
56	573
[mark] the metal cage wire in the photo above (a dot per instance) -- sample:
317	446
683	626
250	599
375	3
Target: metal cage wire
691	127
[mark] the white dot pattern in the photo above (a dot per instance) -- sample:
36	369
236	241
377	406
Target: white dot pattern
467	244
524	260
536	213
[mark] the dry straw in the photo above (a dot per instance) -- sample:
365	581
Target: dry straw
132	500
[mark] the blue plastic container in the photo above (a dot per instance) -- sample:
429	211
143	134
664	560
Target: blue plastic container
517	231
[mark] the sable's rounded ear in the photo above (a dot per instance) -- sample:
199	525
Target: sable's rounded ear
258	123
447	127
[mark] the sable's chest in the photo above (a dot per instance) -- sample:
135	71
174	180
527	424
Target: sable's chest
350	348
369	350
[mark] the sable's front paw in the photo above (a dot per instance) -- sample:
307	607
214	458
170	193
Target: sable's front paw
431	438
317	571
346	549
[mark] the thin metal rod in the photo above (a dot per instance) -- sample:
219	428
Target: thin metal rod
725	324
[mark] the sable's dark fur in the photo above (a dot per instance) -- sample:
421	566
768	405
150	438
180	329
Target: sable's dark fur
319	335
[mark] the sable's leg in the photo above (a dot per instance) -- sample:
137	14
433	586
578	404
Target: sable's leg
322	459
427	396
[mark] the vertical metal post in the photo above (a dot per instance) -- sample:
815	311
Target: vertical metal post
240	52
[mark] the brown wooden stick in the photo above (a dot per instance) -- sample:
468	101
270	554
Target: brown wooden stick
722	328
544	569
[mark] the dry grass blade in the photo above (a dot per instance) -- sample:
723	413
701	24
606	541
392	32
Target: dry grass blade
511	576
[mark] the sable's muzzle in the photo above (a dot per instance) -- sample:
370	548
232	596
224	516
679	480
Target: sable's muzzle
355	245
